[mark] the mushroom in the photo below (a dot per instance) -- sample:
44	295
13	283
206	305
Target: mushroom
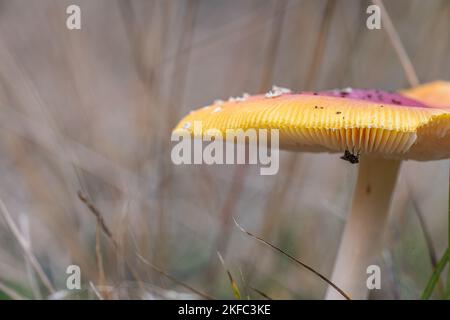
376	129
434	94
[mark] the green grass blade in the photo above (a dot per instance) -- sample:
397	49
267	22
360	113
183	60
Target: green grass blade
435	276
233	283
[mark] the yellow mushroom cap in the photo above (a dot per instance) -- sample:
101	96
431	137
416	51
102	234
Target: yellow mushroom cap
369	122
435	94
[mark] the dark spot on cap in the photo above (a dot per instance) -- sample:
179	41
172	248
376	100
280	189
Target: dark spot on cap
316	107
395	101
381	106
338	112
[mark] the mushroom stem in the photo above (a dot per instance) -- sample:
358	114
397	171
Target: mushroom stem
363	233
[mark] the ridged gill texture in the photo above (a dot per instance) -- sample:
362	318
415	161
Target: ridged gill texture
361	121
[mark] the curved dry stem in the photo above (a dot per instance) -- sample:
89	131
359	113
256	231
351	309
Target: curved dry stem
363	232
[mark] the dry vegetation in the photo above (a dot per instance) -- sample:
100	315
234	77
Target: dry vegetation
85	123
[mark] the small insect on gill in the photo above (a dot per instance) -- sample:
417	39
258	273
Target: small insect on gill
350	157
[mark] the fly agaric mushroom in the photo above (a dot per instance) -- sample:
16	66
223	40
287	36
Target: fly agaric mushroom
375	128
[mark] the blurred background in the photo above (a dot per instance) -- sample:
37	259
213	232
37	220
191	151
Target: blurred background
90	111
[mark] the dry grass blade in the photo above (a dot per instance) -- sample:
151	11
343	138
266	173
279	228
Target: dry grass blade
88	159
397	44
98	254
105	229
172	278
25	247
24	226
11	293
98	215
244	284
240	173
294	259
261	293
102	225
96	292
273	45
233	283
99	260
320	44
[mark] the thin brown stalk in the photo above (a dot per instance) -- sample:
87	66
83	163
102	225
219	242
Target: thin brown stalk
101	223
321	276
264	295
394	38
172	278
98	216
109	235
99	257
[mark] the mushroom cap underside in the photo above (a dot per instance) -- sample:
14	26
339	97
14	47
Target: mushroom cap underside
323	122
